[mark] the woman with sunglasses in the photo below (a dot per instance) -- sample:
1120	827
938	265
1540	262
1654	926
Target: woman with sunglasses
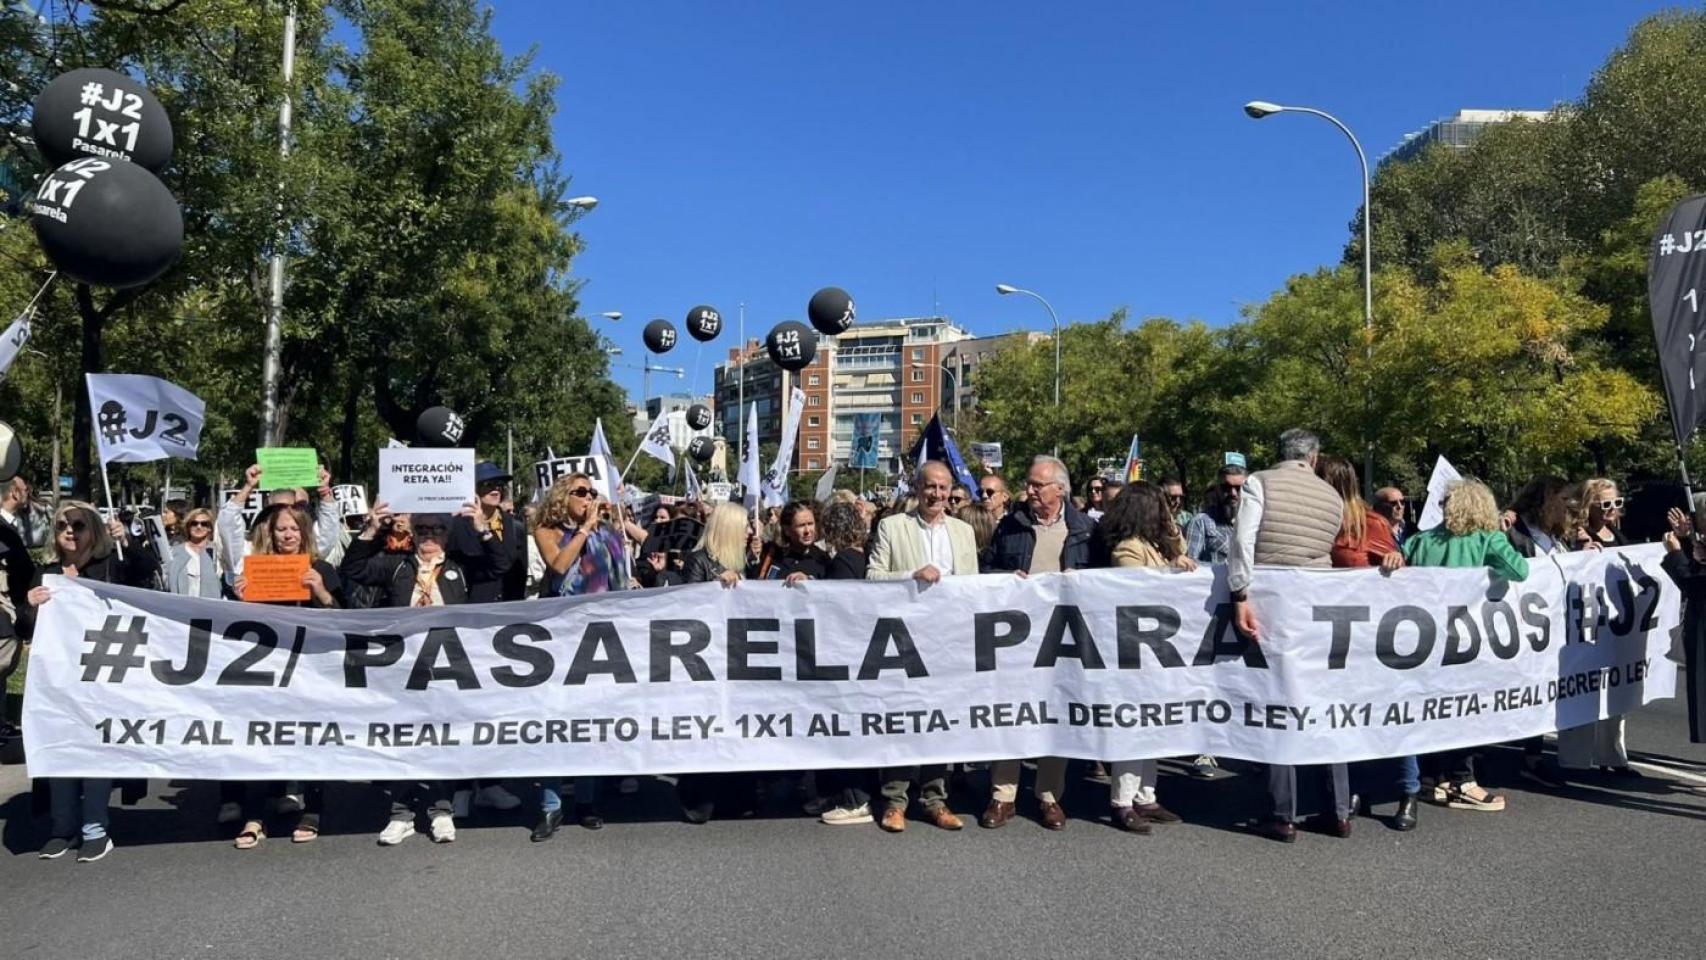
192	570
1599	745
583	555
283	530
959	498
85	548
409	567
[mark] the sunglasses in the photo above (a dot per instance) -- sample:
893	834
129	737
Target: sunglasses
956	499
430	529
75	526
1175	497
990	491
198	523
583	492
1096	489
1615	503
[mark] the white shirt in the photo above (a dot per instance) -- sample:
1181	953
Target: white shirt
937	544
1241	559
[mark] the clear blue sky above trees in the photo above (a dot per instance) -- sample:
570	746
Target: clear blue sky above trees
917	154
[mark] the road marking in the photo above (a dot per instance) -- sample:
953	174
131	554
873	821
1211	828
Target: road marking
1672	772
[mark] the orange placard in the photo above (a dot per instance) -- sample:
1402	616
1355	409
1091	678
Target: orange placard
273	577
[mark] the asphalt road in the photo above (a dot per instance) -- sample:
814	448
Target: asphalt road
1591	871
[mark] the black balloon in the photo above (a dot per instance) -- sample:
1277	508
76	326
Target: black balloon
702	449
792	345
439	427
704	323
831	310
698	416
107	222
101	113
11	453
660	336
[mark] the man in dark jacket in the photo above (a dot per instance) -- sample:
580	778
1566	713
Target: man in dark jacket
1045	534
505	576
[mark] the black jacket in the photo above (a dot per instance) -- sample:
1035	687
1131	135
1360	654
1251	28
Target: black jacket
20	574
366	564
495	574
137	569
1016	537
700	568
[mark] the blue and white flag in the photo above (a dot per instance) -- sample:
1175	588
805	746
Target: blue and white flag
936	444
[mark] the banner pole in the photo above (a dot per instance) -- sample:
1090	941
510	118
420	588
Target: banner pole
1687	485
108	484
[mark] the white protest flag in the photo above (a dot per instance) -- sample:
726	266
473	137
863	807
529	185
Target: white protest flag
825	486
656	444
1433	513
138	418
776	481
692	484
749	479
13	340
600	445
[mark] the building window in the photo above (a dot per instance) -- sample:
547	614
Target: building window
814	421
812	464
917	353
917	419
815	400
814	380
917	375
917	397
811	443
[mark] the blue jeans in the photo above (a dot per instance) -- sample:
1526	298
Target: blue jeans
74	800
1409	775
551	793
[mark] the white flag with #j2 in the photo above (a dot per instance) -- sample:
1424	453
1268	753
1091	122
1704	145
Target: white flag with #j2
139	418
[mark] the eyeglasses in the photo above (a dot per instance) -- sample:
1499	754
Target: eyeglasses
1038	484
198	523
583	492
75	526
956	499
430	529
1175	497
1096	488
989	491
491	485
1615	503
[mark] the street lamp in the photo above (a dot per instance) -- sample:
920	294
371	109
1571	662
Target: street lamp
1258	109
1006	288
953	379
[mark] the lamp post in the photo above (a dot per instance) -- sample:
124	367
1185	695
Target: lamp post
953	379
1257	110
1006	288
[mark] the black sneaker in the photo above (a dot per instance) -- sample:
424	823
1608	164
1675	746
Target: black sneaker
588	816
59	847
547	825
95	849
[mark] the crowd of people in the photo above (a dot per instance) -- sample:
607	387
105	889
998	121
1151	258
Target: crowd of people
1305	510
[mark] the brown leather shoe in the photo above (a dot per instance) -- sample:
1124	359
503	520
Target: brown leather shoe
1051	816
1156	813
942	817
894	819
1276	829
995	815
1132	820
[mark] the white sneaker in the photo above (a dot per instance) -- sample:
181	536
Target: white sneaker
460	803
496	797
844	816
443	828
396	832
628	785
229	813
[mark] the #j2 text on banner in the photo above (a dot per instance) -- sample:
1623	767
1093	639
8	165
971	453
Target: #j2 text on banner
426	479
1104	663
139	419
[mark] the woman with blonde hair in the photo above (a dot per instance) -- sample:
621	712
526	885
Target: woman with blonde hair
85	548
1599	745
1471	536
192	568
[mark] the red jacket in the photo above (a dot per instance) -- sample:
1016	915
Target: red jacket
1377	542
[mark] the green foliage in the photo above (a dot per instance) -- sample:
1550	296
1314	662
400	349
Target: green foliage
427	241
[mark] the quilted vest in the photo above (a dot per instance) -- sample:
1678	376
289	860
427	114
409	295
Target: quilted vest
1301	516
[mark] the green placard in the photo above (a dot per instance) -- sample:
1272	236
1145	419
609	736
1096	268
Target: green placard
283	467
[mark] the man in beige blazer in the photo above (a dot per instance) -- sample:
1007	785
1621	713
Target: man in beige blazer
925	545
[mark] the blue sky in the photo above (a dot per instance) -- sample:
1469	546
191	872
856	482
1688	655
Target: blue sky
918	153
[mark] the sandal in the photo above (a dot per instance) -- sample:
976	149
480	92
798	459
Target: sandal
1470	795
307	829
251	836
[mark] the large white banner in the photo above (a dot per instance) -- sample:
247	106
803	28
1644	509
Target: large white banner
138	418
1107	664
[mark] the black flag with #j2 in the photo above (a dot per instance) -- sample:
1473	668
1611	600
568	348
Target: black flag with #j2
1676	282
